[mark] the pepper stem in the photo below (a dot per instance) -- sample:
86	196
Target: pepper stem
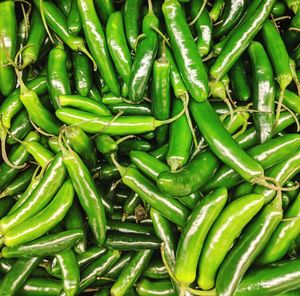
120	168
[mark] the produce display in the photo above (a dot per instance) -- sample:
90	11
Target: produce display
149	147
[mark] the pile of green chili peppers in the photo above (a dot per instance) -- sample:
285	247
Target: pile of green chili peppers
149	147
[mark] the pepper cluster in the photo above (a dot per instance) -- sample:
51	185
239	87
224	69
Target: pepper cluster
149	147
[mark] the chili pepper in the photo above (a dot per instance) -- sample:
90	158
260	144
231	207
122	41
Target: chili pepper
50	216
87	193
58	79
123	125
133	144
231	15
21	126
267	154
97	44
160	95
6	264
22	34
292	4
17	275
130	242
247	248
117	45
292	37
44	246
70	271
34	42
240	38
222	144
131	109
132	201
203	27
156	270
39	198
216	10
132	21
290	99
185	51
8	43
154	288
74	220
64	6
18	157
85	104
117	268
283	236
108	172
128	227
90	255
82	73
239	81
144	57
271	279
57	22
179	151
98	268
104	8
40	287
160	153
12	104
278	9
281	172
225	230
82	144
131	272
95	94
190	200
194	234
73	19
19	184
6	204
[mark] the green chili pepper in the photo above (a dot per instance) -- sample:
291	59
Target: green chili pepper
19	184
105	8
203	27
239	81
73	19
132	21
90	255
292	37
225	230
185	51
17	275
144	57
47	245
6	204
45	220
271	279
247	248
128	227
70	271
131	272
97	44
97	268
74	220
278	9
8	43
21	126
216	10
283	236
39	198
156	270
240	38
293	5
131	109
117	45
133	144
267	154
35	40
194	234
155	288
87	193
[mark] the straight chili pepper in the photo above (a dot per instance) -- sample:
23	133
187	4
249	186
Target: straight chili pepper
73	19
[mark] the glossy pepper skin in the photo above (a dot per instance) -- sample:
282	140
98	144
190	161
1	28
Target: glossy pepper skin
271	279
8	33
97	44
251	243
47	245
192	239
240	38
87	193
283	236
132	21
44	221
17	275
185	51
74	20
39	198
117	45
222	144
144	58
131	272
148	287
221	236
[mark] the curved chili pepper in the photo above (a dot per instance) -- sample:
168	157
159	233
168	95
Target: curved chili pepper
152	288
131	109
